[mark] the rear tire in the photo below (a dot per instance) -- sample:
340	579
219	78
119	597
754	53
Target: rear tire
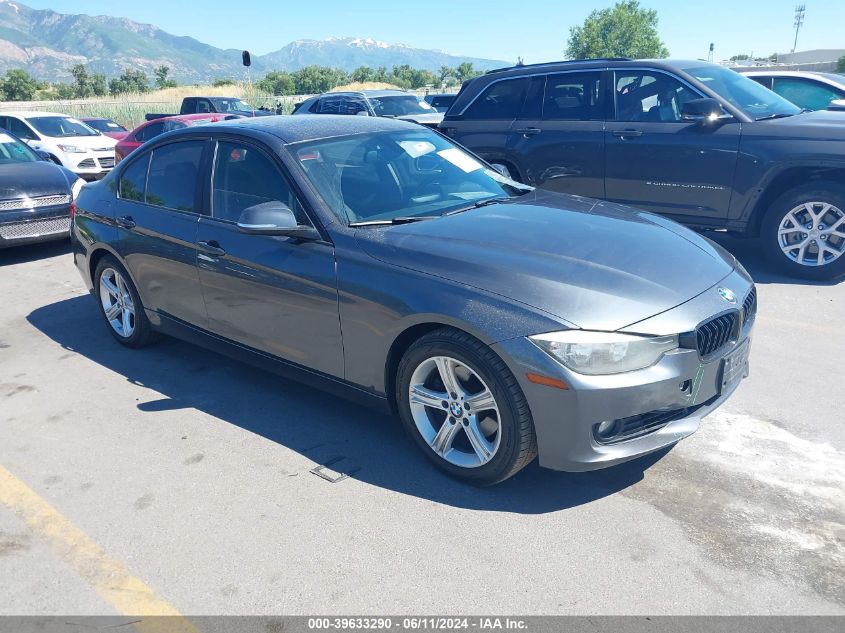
484	433
803	232
120	305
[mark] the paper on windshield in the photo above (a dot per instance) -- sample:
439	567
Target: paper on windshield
460	160
415	149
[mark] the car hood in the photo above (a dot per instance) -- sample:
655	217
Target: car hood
30	180
828	125
88	142
428	118
596	265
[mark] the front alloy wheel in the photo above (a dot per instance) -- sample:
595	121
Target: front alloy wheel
803	232
463	407
454	411
813	234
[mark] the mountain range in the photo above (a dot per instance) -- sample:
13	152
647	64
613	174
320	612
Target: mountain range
47	44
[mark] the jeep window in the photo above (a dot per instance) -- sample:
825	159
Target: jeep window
753	99
501	100
574	97
650	96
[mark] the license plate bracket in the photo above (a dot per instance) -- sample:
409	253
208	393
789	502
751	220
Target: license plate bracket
734	367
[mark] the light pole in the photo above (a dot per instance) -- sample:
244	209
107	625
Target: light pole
799	22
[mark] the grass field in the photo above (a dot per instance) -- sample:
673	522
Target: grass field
129	109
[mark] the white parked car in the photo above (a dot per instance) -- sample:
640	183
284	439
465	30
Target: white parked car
67	141
806	89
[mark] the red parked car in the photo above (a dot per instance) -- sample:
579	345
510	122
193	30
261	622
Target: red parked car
106	127
151	129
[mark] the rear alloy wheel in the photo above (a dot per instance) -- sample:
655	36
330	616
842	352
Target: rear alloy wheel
120	304
804	232
464	409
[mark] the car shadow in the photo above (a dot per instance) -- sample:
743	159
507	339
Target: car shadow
315	424
33	252
750	254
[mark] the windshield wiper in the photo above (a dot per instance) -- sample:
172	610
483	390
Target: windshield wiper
407	219
480	203
769	117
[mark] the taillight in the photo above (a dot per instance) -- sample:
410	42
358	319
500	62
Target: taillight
72	210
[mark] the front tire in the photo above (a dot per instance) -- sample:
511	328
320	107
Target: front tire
803	232
120	305
464	409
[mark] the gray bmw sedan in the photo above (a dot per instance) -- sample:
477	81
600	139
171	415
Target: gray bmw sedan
377	259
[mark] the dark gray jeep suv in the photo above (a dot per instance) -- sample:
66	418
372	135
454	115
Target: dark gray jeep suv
694	141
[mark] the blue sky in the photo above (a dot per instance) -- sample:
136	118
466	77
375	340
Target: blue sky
537	30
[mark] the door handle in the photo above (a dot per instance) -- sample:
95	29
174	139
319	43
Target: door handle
212	248
125	221
529	131
627	133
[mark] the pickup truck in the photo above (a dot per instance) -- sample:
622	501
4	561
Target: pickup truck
231	106
696	142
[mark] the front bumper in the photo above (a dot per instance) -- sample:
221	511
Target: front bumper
662	404
91	165
37	225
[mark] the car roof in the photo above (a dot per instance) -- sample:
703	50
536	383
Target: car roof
370	93
307	127
603	62
828	77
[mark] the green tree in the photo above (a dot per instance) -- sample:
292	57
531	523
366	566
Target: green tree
130	81
363	74
626	30
316	79
161	78
445	73
217	83
65	91
85	85
840	65
740	58
277	83
17	85
465	71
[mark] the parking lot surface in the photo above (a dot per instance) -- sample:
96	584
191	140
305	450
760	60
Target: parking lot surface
175	480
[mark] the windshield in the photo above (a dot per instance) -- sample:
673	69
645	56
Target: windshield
105	125
13	151
232	105
399	106
746	94
61	126
389	175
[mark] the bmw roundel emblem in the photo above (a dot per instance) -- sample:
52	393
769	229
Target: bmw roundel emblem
727	294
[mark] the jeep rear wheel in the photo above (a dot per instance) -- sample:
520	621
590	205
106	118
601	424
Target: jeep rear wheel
803	232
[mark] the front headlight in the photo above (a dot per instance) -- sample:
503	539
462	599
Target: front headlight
72	149
76	188
597	353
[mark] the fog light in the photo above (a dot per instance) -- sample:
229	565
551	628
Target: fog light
606	428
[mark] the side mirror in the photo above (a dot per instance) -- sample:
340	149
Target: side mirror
703	111
44	155
273	218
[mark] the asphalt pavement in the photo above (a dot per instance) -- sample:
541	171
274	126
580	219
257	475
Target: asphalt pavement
174	480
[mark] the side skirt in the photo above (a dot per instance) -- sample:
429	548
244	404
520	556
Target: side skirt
292	371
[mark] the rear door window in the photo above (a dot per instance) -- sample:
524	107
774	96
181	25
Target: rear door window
173	176
501	100
150	131
574	97
133	179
